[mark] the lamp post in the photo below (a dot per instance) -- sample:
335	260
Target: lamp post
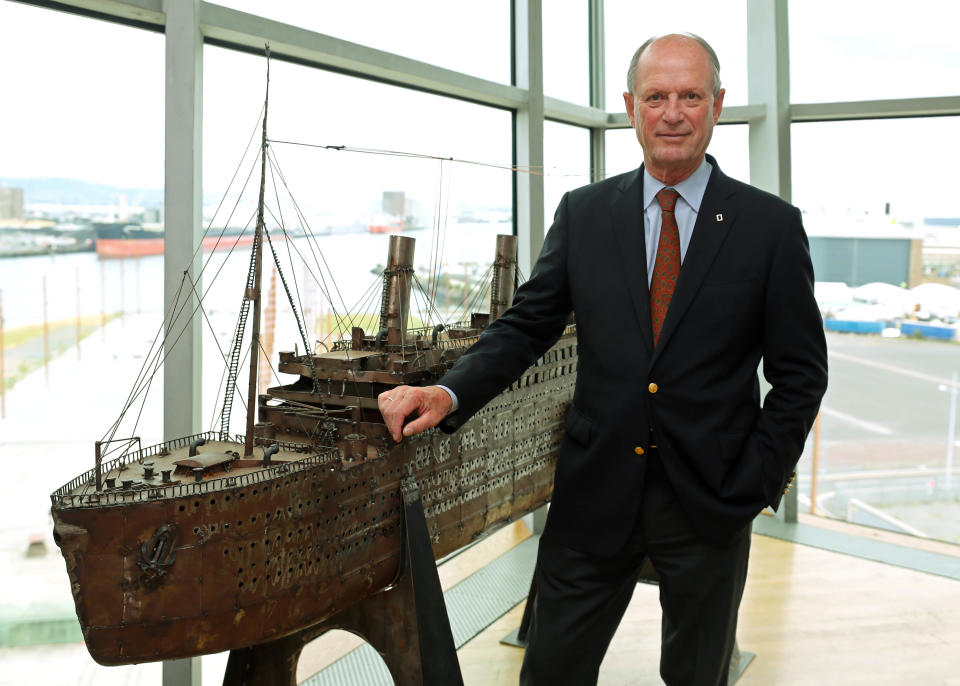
951	430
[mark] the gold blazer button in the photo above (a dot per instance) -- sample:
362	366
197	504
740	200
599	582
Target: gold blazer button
638	450
653	388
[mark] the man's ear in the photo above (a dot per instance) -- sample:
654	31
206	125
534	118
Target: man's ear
718	105
628	103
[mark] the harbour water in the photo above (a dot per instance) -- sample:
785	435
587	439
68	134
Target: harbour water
84	284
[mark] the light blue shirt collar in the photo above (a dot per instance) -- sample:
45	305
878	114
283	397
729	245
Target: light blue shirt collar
691	189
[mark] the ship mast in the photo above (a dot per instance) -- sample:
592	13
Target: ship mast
253	292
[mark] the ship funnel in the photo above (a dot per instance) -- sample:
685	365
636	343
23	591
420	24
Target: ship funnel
398	279
504	275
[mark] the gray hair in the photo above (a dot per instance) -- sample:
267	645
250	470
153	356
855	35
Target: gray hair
632	71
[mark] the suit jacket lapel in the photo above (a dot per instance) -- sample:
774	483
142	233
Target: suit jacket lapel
628	227
714	219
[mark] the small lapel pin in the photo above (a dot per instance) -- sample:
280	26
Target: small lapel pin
719	217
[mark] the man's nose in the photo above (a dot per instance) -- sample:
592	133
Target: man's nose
673	113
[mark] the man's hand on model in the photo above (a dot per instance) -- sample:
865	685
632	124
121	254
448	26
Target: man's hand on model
430	403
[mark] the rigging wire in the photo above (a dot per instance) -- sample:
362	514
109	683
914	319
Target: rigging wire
314	248
479	292
525	169
170	318
153	360
296	286
445	214
111	432
431	304
235	171
286	288
435	231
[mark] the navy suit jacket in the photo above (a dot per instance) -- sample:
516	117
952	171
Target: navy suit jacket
744	294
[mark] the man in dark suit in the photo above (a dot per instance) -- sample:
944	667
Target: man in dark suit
681	280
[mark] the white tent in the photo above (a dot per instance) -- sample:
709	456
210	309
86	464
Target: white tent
937	299
832	295
894	297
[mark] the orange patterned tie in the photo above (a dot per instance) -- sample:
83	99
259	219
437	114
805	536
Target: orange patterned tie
667	267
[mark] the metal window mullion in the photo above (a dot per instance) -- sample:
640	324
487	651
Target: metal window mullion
768	84
528	131
944	106
182	203
597	88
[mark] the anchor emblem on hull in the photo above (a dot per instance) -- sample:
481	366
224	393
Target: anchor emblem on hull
157	555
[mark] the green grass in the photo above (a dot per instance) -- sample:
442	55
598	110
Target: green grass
21	335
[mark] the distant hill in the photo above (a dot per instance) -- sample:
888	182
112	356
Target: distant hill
77	192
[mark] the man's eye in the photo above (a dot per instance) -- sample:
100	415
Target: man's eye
654	98
692	96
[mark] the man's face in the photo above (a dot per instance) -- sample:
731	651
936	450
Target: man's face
673	109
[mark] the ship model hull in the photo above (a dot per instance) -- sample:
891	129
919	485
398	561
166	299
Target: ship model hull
202	553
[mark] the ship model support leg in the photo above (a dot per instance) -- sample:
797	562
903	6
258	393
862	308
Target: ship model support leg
518	637
407	624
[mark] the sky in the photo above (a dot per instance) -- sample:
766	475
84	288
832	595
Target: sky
88	98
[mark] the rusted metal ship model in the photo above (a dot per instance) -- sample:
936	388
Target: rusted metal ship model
210	542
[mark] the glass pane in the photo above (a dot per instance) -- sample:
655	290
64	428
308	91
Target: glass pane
722	24
868	51
882	164
473	38
342	179
87	153
729	146
566	163
83	142
887	259
566	51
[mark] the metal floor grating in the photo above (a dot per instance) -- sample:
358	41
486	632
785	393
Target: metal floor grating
472	605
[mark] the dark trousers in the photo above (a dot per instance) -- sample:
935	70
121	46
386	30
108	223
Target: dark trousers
580	598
